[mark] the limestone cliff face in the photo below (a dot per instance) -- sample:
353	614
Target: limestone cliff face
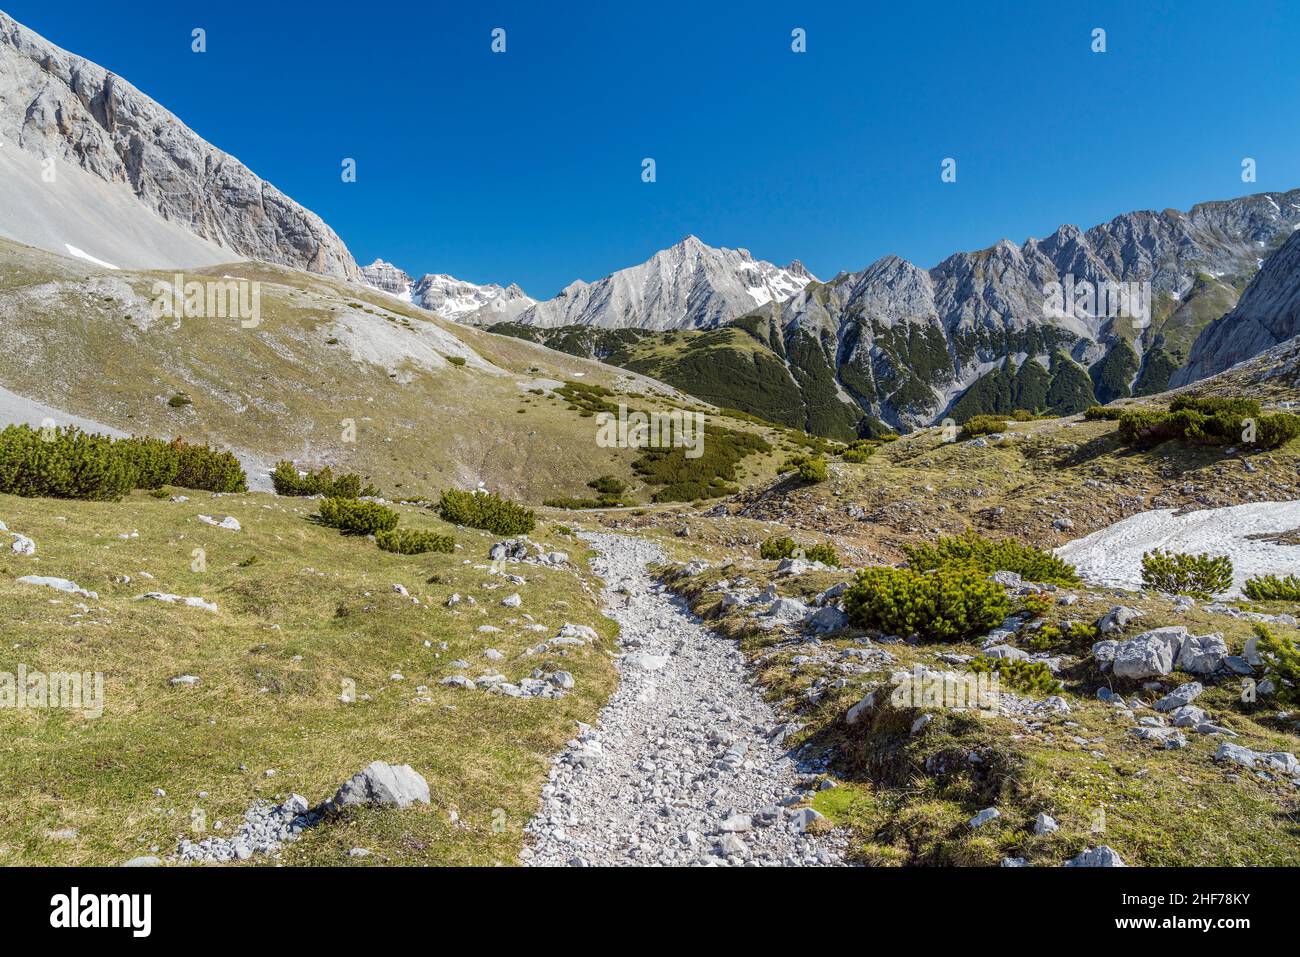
1267	314
56	105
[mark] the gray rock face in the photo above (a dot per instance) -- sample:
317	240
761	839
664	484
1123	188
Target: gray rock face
1267	314
56	105
384	785
910	340
388	278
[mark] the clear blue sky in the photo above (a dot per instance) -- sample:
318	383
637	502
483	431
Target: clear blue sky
526	166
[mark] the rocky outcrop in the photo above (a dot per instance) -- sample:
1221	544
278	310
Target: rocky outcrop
1267	314
58	106
387	278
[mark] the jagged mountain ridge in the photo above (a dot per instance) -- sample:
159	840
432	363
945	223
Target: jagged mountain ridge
906	346
906	342
689	285
56	106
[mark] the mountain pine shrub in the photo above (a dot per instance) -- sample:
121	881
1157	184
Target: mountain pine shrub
780	547
61	463
488	511
988	556
979	425
287	481
776	547
1283	659
357	517
859	451
409	541
1272	588
206	469
69	463
949	604
153	463
1103	413
1208	421
1027	677
1177	573
810	468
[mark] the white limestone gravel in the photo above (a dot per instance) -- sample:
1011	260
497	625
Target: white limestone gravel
685	765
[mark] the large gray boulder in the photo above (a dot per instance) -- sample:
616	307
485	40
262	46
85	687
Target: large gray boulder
1103	856
1180	696
383	785
1150	655
827	618
1115	619
1203	654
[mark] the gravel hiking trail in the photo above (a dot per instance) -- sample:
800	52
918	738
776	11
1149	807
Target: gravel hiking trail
685	764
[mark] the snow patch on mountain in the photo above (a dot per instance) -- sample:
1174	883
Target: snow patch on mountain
1112	556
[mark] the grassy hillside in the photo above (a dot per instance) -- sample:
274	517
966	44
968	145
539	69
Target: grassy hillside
301	610
332	374
728	367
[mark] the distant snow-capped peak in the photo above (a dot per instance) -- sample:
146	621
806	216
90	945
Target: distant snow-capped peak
690	285
449	297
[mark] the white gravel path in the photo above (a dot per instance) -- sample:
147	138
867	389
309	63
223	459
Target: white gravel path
1113	555
684	766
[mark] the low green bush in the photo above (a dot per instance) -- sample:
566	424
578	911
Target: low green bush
1282	659
978	425
1102	413
859	451
409	541
988	556
287	481
69	463
61	463
778	547
610	495
357	517
1209	421
810	468
1027	677
204	468
1177	573
945	605
1272	588
607	485
153	463
488	511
